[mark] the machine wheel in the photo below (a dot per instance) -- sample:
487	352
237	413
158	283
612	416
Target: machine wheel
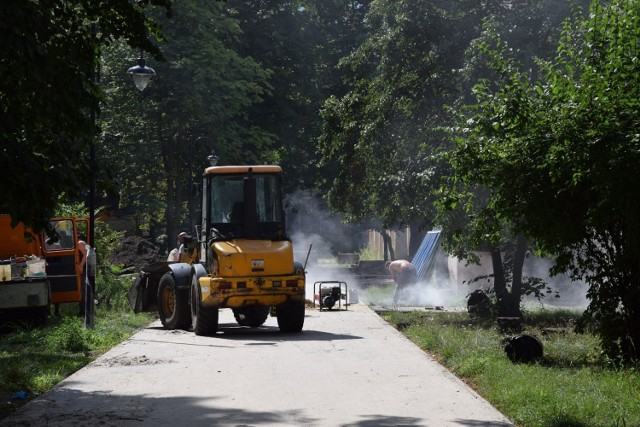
291	316
203	319
253	315
173	304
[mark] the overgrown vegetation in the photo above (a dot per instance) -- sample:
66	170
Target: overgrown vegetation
34	360
575	384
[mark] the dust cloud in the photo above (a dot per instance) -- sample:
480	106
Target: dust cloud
318	236
562	291
320	265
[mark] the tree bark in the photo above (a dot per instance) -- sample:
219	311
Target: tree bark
516	281
416	237
388	247
508	302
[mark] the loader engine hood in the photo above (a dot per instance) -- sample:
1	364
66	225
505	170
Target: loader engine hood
243	257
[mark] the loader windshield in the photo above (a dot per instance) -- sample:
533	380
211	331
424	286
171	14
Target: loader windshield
228	198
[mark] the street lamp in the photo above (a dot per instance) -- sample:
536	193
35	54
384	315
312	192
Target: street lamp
141	76
89	283
213	160
141	73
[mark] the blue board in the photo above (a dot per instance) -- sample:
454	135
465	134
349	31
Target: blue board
425	256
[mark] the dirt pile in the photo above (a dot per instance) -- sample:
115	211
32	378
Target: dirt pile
136	252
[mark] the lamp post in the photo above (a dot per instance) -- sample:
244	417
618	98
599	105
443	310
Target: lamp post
141	73
87	307
141	76
213	160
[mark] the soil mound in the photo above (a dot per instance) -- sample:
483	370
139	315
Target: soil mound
136	252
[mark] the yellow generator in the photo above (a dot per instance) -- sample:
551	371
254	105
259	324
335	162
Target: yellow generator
240	258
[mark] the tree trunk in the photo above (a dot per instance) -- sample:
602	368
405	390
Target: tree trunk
172	216
388	247
174	169
508	303
634	328
631	310
417	235
516	282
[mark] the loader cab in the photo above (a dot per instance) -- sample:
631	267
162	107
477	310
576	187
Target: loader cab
243	202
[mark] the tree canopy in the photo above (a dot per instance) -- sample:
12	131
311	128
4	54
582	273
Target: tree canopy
558	157
49	54
384	130
197	104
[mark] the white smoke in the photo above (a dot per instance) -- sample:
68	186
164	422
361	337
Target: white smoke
315	254
318	236
563	292
431	294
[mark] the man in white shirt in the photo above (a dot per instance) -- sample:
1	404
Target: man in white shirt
175	253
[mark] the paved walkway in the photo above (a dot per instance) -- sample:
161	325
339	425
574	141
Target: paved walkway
348	368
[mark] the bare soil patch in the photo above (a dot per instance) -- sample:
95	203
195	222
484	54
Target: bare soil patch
136	252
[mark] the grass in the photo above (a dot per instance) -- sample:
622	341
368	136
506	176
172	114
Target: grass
574	385
32	360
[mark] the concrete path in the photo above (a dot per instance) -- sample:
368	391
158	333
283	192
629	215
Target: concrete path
348	368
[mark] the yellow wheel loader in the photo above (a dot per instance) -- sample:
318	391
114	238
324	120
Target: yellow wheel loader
240	258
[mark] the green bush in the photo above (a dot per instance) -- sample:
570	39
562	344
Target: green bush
111	290
70	335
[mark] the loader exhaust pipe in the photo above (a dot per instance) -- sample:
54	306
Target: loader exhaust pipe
250	210
307	259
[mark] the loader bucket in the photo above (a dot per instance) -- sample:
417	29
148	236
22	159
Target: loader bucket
143	293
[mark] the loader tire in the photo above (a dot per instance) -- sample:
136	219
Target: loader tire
252	316
203	319
173	304
290	316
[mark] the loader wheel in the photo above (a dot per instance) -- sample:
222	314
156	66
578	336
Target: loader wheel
253	315
203	319
173	304
291	316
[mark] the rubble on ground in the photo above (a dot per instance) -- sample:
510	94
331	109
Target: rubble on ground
136	252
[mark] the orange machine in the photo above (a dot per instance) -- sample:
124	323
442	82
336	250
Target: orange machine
36	271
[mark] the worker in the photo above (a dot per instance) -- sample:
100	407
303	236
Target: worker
181	240
82	260
83	250
403	274
175	253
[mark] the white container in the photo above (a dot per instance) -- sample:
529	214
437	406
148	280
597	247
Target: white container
5	272
36	267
